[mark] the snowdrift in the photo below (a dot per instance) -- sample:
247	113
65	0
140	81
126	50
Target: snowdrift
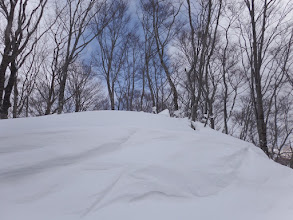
134	166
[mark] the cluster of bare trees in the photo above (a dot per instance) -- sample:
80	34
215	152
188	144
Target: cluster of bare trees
223	62
239	57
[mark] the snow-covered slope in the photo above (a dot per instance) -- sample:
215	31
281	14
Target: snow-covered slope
134	166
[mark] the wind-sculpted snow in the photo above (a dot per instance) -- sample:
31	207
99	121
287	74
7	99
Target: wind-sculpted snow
127	165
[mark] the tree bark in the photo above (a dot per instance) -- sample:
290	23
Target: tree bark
8	89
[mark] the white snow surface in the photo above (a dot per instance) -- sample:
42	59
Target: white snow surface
134	166
165	113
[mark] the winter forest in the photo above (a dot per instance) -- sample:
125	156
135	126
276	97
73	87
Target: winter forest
225	63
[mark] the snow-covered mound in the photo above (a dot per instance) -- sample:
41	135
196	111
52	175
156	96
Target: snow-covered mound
134	166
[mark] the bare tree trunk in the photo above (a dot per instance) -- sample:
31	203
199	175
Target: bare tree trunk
8	89
162	44
257	53
112	98
3	67
15	100
51	92
143	88
27	106
171	83
150	82
61	100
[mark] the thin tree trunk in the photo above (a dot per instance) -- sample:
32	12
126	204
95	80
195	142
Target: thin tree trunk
3	67
256	75
8	89
61	97
15	99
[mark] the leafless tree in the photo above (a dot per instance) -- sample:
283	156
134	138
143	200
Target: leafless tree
75	20
266	25
84	89
129	79
198	43
113	42
25	83
165	26
21	24
148	50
